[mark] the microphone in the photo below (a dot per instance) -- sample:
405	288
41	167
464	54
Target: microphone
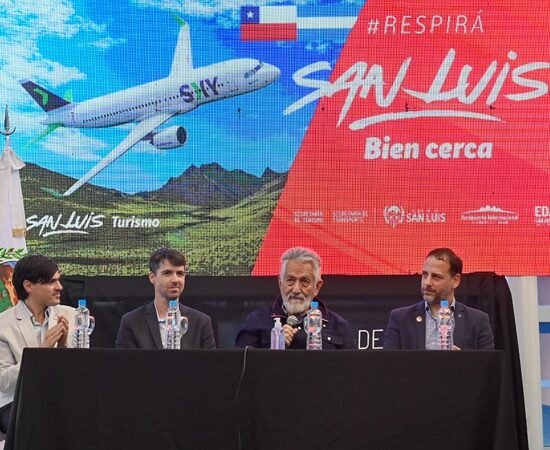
293	321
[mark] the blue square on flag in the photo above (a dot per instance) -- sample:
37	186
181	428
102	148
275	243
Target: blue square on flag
250	14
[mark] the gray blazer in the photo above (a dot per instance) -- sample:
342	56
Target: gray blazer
406	331
140	329
16	333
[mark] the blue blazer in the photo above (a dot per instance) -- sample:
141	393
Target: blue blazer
407	328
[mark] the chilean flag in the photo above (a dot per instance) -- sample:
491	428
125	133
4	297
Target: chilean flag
269	23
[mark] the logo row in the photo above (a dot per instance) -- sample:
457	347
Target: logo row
395	215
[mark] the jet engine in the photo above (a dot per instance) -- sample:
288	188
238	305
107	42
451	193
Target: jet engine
171	137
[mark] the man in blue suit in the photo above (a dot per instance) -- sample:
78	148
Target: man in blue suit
415	327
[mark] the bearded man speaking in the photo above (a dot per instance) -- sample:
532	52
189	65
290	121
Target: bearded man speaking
299	282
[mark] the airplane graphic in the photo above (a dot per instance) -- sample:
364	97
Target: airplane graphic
152	104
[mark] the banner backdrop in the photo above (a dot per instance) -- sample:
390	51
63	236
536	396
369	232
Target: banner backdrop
369	131
432	131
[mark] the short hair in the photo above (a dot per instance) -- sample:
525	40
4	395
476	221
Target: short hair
33	268
176	257
447	255
304	255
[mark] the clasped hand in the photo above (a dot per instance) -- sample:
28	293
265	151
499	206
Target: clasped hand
57	334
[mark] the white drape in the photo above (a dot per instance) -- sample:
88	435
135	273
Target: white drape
12	209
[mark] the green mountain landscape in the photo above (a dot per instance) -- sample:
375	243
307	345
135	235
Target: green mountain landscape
218	218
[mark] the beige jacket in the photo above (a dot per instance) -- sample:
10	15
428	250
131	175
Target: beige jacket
16	333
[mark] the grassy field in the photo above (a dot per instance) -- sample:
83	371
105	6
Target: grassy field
222	241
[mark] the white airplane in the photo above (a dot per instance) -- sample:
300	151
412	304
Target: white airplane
152	104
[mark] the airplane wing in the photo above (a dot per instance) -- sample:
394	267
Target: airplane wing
140	130
182	63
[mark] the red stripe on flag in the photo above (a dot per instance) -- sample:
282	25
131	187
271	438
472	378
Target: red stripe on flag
269	32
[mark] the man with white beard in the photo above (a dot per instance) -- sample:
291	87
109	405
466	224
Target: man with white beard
299	282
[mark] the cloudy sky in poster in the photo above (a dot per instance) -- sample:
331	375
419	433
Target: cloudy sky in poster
92	48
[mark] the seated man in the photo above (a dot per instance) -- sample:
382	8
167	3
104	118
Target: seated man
299	283
415	327
145	327
37	320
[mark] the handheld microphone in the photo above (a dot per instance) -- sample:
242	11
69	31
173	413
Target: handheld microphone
293	321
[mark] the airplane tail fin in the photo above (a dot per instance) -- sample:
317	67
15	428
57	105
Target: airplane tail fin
182	62
47	100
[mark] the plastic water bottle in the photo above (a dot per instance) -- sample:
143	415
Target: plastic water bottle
314	325
173	326
277	335
83	325
445	326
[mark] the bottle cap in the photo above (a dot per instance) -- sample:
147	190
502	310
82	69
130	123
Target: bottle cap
173	304
82	303
277	322
314	304
444	304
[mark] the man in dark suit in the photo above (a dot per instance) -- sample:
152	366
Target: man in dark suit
145	327
415	327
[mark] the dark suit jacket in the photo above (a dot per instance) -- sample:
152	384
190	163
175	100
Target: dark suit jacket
406	331
140	329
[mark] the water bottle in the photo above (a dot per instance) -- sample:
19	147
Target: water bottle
83	325
277	335
173	328
445	326
314	325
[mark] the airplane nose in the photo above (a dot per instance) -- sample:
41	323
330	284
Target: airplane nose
274	72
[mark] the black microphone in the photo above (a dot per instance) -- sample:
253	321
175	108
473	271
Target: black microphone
293	321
